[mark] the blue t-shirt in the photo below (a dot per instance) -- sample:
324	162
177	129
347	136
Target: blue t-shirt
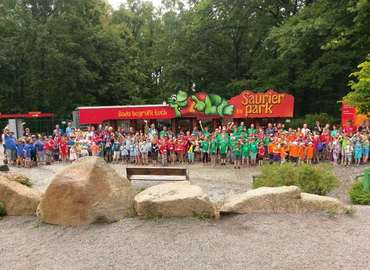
39	146
9	142
28	149
20	150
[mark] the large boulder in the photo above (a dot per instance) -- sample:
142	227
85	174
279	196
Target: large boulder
18	199
263	200
316	203
85	192
180	199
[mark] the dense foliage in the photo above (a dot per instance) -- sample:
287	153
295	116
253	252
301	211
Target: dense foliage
311	179
59	54
360	97
358	195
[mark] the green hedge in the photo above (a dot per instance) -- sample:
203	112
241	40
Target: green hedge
311	179
358	195
2	210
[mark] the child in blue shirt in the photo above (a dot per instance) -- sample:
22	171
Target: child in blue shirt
28	149
20	153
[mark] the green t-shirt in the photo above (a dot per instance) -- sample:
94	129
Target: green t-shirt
252	131
205	133
253	147
213	147
223	146
236	135
236	148
245	149
205	146
218	137
266	140
163	133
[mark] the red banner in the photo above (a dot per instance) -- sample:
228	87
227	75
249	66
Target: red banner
258	105
97	115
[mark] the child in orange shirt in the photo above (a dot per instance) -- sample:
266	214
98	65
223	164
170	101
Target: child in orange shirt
301	153
270	150
283	153
309	153
276	152
293	152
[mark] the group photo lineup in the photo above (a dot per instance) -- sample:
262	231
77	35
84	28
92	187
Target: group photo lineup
184	134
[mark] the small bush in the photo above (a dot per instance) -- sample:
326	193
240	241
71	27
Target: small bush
2	210
358	195
311	179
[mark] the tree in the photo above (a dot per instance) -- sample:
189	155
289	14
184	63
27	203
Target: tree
360	96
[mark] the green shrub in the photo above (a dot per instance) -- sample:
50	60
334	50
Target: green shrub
358	195
311	179
2	210
323	118
310	120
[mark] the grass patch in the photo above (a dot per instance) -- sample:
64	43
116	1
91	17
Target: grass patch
2	210
201	216
311	179
26	182
358	195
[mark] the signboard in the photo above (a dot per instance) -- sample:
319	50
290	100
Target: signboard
349	113
97	115
198	105
259	105
246	105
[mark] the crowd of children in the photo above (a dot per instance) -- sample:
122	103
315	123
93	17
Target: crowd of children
236	144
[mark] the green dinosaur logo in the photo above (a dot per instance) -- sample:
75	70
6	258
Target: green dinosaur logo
200	102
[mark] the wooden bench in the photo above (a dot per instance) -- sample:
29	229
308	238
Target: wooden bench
157	174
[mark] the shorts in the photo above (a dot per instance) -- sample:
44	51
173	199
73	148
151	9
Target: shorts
237	157
116	154
276	157
365	151
11	154
358	154
253	155
223	156
40	156
191	156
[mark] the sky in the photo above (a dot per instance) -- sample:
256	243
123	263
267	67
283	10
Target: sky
115	3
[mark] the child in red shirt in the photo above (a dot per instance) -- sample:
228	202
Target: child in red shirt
63	148
261	153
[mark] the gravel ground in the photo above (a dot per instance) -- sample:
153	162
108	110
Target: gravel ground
281	241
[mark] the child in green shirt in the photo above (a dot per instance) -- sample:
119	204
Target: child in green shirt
245	152
204	145
253	152
223	147
236	148
213	150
